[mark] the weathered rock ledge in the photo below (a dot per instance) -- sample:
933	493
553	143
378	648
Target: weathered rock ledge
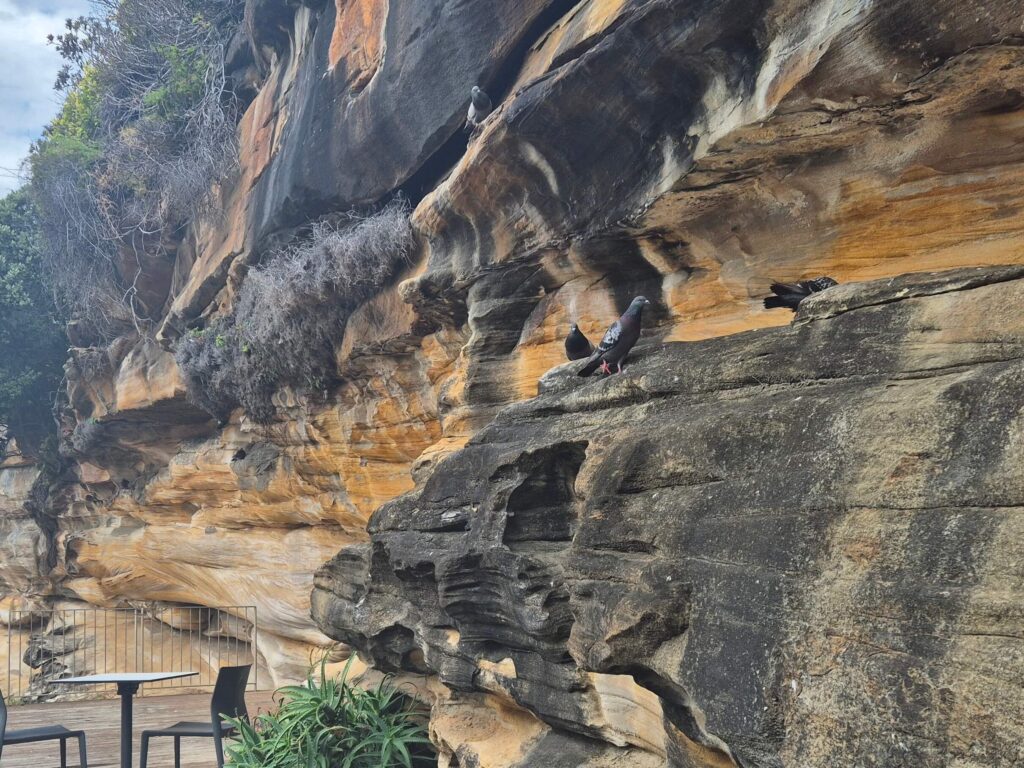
794	546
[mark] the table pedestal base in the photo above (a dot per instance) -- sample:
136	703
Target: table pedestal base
126	690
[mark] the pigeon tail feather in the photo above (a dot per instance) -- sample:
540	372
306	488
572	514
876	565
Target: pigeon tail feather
592	365
780	302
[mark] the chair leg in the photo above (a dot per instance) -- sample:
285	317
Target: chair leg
144	750
177	752
219	746
81	751
63	753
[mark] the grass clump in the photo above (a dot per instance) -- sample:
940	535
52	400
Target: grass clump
330	723
291	313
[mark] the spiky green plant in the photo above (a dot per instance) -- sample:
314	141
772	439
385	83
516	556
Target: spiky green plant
330	723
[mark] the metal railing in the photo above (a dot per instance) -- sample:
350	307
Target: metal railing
44	646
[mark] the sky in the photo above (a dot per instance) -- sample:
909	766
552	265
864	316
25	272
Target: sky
28	67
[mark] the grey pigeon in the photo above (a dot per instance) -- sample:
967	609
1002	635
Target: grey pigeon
618	340
479	106
789	295
577	346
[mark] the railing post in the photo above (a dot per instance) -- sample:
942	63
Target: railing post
10	638
192	624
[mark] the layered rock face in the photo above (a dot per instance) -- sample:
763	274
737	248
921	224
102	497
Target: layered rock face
691	152
22	560
797	546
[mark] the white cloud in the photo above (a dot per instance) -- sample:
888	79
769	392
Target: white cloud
28	67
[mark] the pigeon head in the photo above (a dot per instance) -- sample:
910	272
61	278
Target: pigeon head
573	328
638	304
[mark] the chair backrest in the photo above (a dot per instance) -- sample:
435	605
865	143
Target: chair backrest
229	694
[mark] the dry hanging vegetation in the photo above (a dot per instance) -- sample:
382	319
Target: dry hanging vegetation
147	128
290	314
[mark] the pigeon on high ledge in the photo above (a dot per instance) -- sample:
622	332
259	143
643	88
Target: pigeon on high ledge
577	346
479	107
618	340
789	295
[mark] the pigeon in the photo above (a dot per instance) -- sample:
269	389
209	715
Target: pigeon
479	107
617	341
577	346
790	295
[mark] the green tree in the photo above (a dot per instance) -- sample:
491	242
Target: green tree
32	344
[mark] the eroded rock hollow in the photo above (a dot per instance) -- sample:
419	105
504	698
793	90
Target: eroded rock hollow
762	544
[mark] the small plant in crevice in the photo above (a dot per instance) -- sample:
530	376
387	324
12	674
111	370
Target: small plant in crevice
92	364
85	438
330	723
290	314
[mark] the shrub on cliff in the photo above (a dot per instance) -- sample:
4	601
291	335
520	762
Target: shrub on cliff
81	256
330	723
291	312
31	335
146	129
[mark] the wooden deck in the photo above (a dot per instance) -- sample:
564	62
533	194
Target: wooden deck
101	721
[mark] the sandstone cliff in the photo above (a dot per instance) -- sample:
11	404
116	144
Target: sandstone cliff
785	546
798	546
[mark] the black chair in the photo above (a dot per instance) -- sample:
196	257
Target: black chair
42	733
228	700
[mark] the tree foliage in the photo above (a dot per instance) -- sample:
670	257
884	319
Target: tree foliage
32	342
146	129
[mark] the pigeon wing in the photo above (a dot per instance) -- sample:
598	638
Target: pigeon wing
611	337
791	289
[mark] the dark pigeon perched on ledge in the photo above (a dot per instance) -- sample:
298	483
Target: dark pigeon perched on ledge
618	340
789	295
577	346
479	107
